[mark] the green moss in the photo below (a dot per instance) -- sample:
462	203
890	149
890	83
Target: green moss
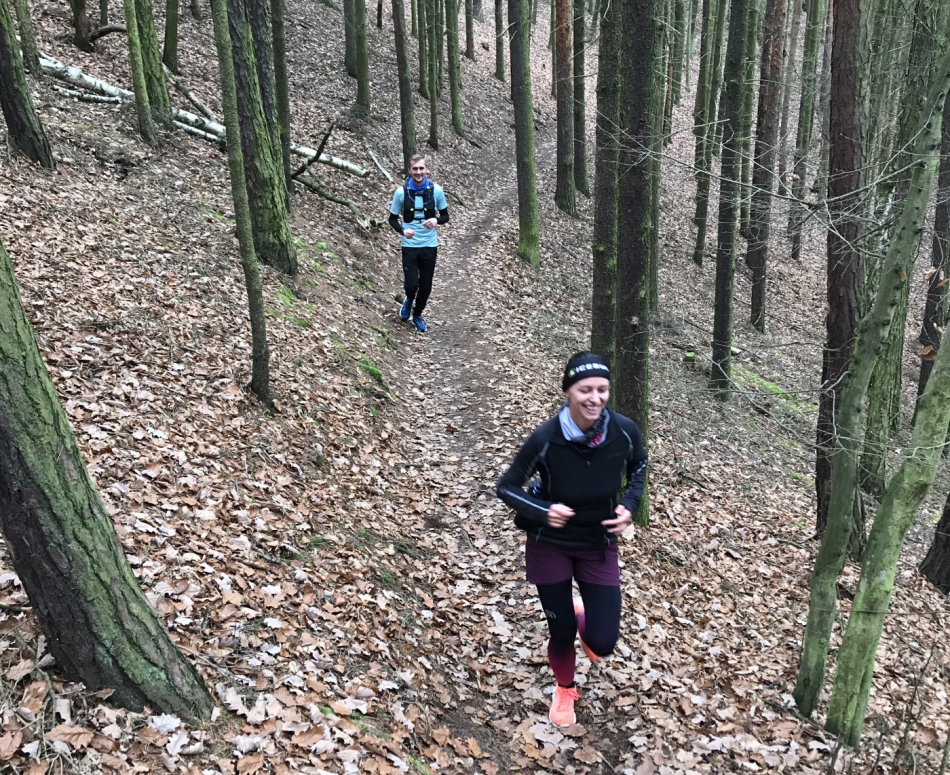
803	478
789	402
317	542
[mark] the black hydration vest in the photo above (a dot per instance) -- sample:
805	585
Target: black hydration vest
409	202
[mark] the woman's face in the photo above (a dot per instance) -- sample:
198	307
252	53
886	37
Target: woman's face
586	400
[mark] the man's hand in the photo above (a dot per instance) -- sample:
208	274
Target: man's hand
620	523
558	514
408	233
430	223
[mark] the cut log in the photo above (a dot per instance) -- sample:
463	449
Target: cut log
76	77
84	96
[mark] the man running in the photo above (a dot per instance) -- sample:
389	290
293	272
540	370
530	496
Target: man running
421	211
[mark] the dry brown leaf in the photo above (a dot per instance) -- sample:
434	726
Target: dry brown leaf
308	737
21	670
9	744
153	736
39	767
76	738
33	696
250	763
587	755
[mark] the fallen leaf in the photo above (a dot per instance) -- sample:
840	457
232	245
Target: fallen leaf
76	738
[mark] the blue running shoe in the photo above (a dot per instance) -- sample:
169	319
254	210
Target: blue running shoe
419	323
406	309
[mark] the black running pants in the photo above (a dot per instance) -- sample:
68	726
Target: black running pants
418	267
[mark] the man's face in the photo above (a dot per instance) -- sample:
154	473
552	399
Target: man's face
418	171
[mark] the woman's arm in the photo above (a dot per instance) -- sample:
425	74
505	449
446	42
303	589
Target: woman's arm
510	487
636	473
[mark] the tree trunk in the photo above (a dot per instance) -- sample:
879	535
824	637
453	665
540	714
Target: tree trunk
519	36
158	98
361	46
440	42
266	190
770	78
455	74
907	490
605	192
421	6
282	88
790	66
406	110
748	84
432	25
846	165
935	308
31	57
103	13
170	51
143	110
412	20
693	6
98	624
23	124
823	115
499	41
227	56
470	29
194	7
81	27
936	565
728	199
349	37
679	46
564	187
637	239
478	13
379	14
580	100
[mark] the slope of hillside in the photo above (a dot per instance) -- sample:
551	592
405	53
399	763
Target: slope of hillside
340	570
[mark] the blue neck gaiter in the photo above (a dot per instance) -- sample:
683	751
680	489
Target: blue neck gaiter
414	187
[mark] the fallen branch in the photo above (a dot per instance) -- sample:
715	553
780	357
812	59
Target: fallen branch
457	197
361	220
198	133
176	82
76	77
323	144
83	96
382	169
107	30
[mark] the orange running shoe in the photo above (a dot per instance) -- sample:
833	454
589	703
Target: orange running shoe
562	707
578	610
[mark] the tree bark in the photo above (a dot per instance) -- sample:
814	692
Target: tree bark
81	27
99	626
23	124
264	183
31	57
170	50
432	32
158	98
679	46
519	28
143	110
790	64
195	8
282	86
770	78
349	37
478	12
605	192
748	84
641	105
564	186
936	565
499	41
846	165
406	110
470	29
361	44
728	200
103	13
423	47
455	66
580	99
227	56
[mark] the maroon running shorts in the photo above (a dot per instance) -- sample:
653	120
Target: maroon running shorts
547	564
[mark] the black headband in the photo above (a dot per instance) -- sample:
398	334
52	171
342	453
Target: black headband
583	368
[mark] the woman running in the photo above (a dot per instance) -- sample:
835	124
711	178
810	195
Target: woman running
572	518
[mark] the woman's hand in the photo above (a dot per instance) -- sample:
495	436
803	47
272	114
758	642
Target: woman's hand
558	514
620	523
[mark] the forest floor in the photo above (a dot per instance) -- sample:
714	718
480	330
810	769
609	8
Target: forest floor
340	570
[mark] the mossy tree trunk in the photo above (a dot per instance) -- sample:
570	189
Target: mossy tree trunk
910	485
519	29
580	99
98	624
31	56
470	29
349	37
731	107
478	10
170	48
499	40
680	9
421	6
936	565
143	110
23	124
791	64
282	87
227	56
158	98
605	191
406	111
361	45
843	268
887	534
770	79
432	32
641	108
564	186
261	160
103	12
455	65
81	26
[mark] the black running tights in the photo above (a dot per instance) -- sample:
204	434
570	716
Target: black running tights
418	267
